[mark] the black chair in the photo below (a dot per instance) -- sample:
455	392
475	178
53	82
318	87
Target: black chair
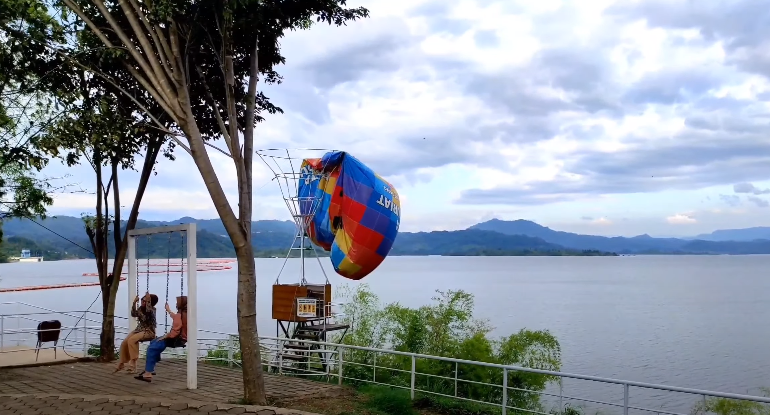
47	331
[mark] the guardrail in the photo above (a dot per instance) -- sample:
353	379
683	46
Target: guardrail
340	363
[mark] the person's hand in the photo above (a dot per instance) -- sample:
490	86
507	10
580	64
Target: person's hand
168	309
136	299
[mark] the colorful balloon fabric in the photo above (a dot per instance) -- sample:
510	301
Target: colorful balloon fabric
352	212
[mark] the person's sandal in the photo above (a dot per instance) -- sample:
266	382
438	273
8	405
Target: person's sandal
140	377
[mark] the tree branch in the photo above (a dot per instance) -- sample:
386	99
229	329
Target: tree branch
130	46
160	75
248	135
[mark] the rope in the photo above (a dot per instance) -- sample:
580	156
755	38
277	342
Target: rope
147	271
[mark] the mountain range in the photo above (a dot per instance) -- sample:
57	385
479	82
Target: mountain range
64	237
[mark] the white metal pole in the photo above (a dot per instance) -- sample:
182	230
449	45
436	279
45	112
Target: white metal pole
192	308
132	276
85	333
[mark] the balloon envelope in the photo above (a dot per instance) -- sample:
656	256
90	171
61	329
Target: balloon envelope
351	212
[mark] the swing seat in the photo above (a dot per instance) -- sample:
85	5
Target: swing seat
176	342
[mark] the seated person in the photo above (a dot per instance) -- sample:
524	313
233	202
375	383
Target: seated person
177	337
145	330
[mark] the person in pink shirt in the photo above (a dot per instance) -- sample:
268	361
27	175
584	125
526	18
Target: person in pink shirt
176	337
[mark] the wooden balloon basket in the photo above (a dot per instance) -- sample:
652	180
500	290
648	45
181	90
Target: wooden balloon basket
304	311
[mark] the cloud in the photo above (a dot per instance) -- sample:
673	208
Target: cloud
492	105
749	188
681	219
601	221
759	202
732	200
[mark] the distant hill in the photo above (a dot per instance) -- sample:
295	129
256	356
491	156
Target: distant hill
746	234
273	238
642	244
270	238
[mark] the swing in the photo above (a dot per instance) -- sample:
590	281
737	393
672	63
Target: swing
147	278
176	341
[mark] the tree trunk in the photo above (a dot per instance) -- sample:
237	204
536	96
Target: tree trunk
110	289
253	381
107	336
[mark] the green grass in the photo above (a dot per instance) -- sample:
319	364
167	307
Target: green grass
387	401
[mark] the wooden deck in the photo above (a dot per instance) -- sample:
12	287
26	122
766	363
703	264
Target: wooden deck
215	383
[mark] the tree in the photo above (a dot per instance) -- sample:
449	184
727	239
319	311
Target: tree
104	128
29	94
200	62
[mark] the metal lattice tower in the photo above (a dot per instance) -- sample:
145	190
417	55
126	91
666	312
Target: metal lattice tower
285	165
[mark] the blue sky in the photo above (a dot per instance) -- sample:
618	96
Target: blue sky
603	117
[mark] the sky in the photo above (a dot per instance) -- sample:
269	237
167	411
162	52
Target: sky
599	117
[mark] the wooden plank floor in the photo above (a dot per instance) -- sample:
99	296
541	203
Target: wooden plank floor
215	383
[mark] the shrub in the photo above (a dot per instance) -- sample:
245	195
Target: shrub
444	328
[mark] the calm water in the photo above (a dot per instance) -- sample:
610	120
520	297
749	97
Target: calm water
698	322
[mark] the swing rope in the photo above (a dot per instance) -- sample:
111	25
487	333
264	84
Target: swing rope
147	270
168	275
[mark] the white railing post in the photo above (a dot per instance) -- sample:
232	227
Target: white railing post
230	352
561	395
280	357
505	391
85	333
2	330
374	368
414	373
340	351
625	399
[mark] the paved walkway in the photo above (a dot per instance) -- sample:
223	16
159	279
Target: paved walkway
215	383
92	388
106	405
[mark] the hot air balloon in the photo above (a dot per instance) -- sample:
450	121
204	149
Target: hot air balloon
350	211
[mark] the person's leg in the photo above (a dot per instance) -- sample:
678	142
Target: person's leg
123	353
154	350
133	348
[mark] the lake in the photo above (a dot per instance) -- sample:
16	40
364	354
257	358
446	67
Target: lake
689	321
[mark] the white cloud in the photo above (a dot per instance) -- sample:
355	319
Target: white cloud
549	110
681	219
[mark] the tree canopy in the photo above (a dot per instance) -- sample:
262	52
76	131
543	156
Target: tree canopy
192	68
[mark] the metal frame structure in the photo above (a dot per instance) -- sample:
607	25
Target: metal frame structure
281	163
192	289
286	167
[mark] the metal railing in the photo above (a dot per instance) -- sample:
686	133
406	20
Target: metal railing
332	360
416	373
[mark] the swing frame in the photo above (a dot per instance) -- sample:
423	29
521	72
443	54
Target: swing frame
192	289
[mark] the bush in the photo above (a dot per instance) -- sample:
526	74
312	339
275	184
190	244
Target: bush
218	355
94	350
723	406
444	328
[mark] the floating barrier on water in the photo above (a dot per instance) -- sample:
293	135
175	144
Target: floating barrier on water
170	271
51	287
202	266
